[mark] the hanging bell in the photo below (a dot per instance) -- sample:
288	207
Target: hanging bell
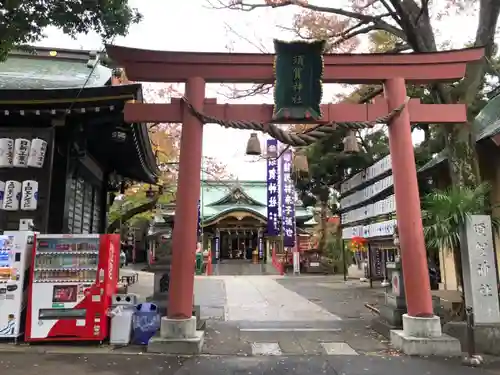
351	145
300	163
253	145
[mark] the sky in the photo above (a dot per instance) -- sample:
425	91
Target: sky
192	25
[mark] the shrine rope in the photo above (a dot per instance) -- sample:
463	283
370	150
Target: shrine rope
295	139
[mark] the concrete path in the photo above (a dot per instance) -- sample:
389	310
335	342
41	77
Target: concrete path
261	298
346	299
275	315
109	364
209	292
238	267
257	338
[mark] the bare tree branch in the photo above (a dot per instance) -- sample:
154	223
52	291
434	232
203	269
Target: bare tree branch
258	45
376	20
257	89
352	34
391	11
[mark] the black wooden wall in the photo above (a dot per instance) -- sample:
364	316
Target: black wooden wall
9	220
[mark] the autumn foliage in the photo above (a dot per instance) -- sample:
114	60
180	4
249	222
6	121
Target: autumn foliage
165	142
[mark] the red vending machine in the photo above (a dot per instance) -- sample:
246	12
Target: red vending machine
72	280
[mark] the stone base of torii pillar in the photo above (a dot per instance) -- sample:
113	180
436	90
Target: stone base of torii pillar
177	336
423	337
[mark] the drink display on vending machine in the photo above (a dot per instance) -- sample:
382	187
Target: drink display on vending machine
16	248
72	281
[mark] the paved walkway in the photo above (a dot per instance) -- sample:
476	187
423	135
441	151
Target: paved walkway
240	267
261	298
267	325
36	364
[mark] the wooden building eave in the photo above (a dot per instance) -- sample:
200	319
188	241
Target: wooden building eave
101	105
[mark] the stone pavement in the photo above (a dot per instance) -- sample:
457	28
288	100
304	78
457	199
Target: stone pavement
109	364
209	292
262	298
346	299
269	325
240	267
274	315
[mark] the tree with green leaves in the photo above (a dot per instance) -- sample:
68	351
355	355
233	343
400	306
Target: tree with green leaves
329	164
445	213
22	22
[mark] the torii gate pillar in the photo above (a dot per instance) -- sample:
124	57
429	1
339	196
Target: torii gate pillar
178	332
180	301
421	333
410	228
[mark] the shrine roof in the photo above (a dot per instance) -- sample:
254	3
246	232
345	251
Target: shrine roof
487	122
48	68
485	125
434	162
48	84
221	197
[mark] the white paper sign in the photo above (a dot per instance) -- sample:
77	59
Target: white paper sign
29	195
6	152
12	196
38	150
21	152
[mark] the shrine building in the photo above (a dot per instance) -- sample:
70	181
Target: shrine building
233	218
72	104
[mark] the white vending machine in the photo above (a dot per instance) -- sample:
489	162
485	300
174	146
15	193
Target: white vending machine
16	248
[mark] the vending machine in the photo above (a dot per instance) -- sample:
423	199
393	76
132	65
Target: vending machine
72	281
16	248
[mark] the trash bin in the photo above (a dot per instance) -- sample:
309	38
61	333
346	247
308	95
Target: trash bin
122	312
146	323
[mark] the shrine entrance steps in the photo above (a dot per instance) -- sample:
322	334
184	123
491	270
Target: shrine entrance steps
240	267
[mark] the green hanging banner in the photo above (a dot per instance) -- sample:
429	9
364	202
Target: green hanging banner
298	69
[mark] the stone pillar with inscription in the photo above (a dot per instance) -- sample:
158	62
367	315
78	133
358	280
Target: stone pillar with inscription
161	268
479	272
391	312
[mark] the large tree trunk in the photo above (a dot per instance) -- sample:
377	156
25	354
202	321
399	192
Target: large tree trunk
459	140
323	217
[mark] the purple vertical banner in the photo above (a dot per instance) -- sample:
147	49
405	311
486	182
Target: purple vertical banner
199	218
261	246
217	247
287	200
272	188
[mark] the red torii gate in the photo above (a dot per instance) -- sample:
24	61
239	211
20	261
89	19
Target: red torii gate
393	70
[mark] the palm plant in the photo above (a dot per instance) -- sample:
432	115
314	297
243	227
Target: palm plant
445	212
